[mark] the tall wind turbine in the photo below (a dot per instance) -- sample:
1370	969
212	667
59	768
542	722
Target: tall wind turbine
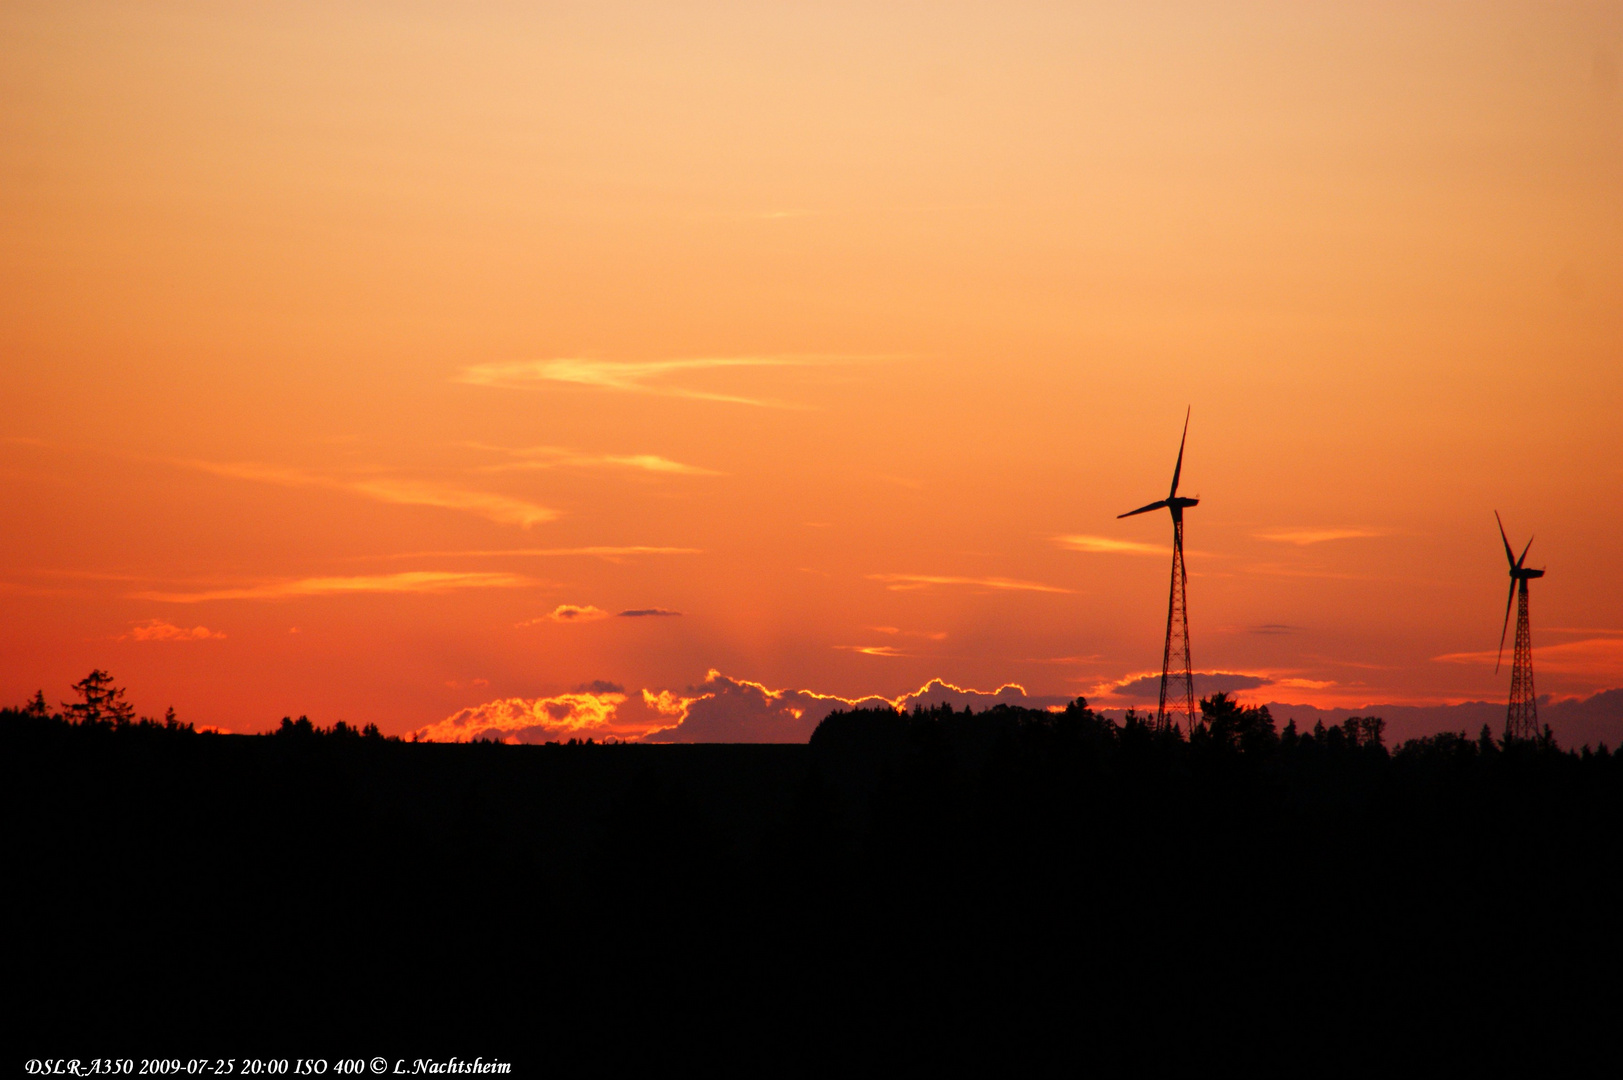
1175	673
1521	720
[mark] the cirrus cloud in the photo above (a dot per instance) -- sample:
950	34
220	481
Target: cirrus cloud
502	509
635	376
534	458
1304	537
901	582
411	581
1105	545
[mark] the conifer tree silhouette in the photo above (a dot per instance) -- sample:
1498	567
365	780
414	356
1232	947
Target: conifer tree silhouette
103	702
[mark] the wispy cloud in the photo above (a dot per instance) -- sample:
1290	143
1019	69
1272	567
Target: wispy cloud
933	635
1598	657
872	650
577	613
633	376
924	581
502	509
1304	537
534	458
159	630
610	553
412	581
1105	545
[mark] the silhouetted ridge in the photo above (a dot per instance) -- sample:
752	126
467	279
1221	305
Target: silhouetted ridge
1053	865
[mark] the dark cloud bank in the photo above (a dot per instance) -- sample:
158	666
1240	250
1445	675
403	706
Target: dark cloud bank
733	710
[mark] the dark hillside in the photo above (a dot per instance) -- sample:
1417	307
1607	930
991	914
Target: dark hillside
946	867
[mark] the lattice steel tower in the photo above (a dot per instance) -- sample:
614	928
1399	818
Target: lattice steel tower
1177	682
1521	719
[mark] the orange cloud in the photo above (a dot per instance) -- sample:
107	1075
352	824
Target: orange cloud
551	457
1598	657
412	581
1304	537
587	714
1146	685
569	613
873	650
158	630
1104	545
501	509
631	376
609	553
924	581
724	709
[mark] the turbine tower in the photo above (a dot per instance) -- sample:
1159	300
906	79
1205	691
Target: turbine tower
1177	683
1521	720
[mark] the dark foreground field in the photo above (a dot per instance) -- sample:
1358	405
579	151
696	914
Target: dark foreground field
904	889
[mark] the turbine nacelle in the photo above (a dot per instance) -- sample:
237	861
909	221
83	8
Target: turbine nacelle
1172	502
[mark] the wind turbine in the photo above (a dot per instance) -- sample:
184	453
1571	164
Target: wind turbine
1175	673
1521	719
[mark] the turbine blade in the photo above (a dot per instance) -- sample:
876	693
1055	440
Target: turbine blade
1524	553
1143	509
1178	468
1508	602
1510	556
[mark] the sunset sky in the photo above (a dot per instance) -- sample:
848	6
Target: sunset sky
544	368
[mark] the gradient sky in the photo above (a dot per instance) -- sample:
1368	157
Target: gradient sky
398	362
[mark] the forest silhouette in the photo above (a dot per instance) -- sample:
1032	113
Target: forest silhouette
906	872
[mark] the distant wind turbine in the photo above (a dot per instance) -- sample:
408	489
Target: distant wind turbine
1521	719
1175	672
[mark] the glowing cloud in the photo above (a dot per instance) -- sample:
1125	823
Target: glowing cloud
737	710
1304	537
723	709
873	650
935	635
609	553
1104	545
551	457
569	613
498	508
585	714
1146	685
923	581
412	581
630	376
1599	657
158	630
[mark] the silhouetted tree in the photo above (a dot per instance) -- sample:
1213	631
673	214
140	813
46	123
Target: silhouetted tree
1228	725
103	702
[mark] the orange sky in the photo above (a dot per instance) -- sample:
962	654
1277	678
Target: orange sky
368	362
